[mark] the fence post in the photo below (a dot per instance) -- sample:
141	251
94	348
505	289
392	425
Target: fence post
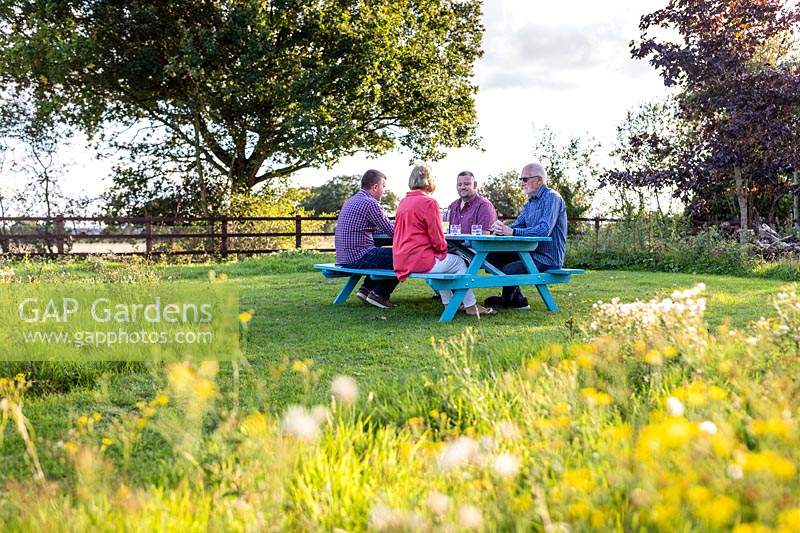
60	234
596	233
223	242
148	235
298	235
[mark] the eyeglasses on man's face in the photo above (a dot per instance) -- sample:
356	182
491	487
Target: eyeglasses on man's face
524	179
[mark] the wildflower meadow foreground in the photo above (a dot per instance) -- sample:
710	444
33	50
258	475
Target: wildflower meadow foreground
652	422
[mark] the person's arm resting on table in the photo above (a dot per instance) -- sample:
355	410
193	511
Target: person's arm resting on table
542	227
378	218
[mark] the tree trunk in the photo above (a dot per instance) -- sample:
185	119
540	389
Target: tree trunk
741	196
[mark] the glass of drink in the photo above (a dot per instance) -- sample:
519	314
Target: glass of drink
477	229
455	229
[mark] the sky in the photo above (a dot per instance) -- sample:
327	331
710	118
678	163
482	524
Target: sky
564	64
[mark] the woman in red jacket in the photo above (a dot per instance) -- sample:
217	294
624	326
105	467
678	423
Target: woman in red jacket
419	245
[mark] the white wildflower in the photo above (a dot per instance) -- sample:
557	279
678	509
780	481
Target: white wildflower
735	471
470	517
344	388
382	518
508	430
675	406
752	341
320	413
708	427
506	465
300	423
457	453
439	503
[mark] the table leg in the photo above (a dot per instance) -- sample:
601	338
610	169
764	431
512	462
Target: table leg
352	281
452	307
544	291
471	255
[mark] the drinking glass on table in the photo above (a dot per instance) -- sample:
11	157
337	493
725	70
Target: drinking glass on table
445	219
455	229
477	229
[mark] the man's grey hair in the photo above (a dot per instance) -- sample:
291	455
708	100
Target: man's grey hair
536	169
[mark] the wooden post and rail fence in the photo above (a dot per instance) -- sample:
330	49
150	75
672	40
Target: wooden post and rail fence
154	236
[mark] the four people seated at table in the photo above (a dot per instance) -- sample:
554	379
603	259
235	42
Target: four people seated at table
419	245
543	215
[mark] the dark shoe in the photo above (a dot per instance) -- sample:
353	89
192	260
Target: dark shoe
496	302
362	294
379	301
520	304
435	296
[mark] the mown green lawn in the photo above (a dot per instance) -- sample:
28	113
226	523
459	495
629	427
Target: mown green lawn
387	351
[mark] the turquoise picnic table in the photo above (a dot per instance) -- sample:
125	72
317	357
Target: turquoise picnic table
475	249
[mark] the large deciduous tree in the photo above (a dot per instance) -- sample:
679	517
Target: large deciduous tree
251	90
739	97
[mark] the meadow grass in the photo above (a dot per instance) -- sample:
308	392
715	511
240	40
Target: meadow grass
387	351
406	383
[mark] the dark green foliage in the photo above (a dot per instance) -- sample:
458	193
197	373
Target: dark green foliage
667	244
329	197
504	192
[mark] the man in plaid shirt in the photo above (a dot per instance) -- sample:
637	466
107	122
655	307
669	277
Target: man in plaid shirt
360	217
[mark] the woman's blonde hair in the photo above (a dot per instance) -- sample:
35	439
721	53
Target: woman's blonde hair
422	178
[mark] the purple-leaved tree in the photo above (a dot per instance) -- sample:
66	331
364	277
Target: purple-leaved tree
736	67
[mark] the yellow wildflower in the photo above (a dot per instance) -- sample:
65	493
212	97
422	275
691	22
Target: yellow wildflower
415	422
790	519
718	511
533	366
254	424
161	399
653	357
697	494
204	388
106	441
579	479
773	427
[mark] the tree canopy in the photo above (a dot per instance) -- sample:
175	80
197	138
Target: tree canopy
254	89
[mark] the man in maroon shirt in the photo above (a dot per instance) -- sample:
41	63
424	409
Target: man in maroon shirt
471	208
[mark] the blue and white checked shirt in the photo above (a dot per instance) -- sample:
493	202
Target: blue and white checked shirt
360	217
545	215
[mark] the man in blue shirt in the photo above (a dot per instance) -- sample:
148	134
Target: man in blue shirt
543	215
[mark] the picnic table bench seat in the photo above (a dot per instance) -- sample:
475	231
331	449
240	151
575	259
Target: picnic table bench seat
455	282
